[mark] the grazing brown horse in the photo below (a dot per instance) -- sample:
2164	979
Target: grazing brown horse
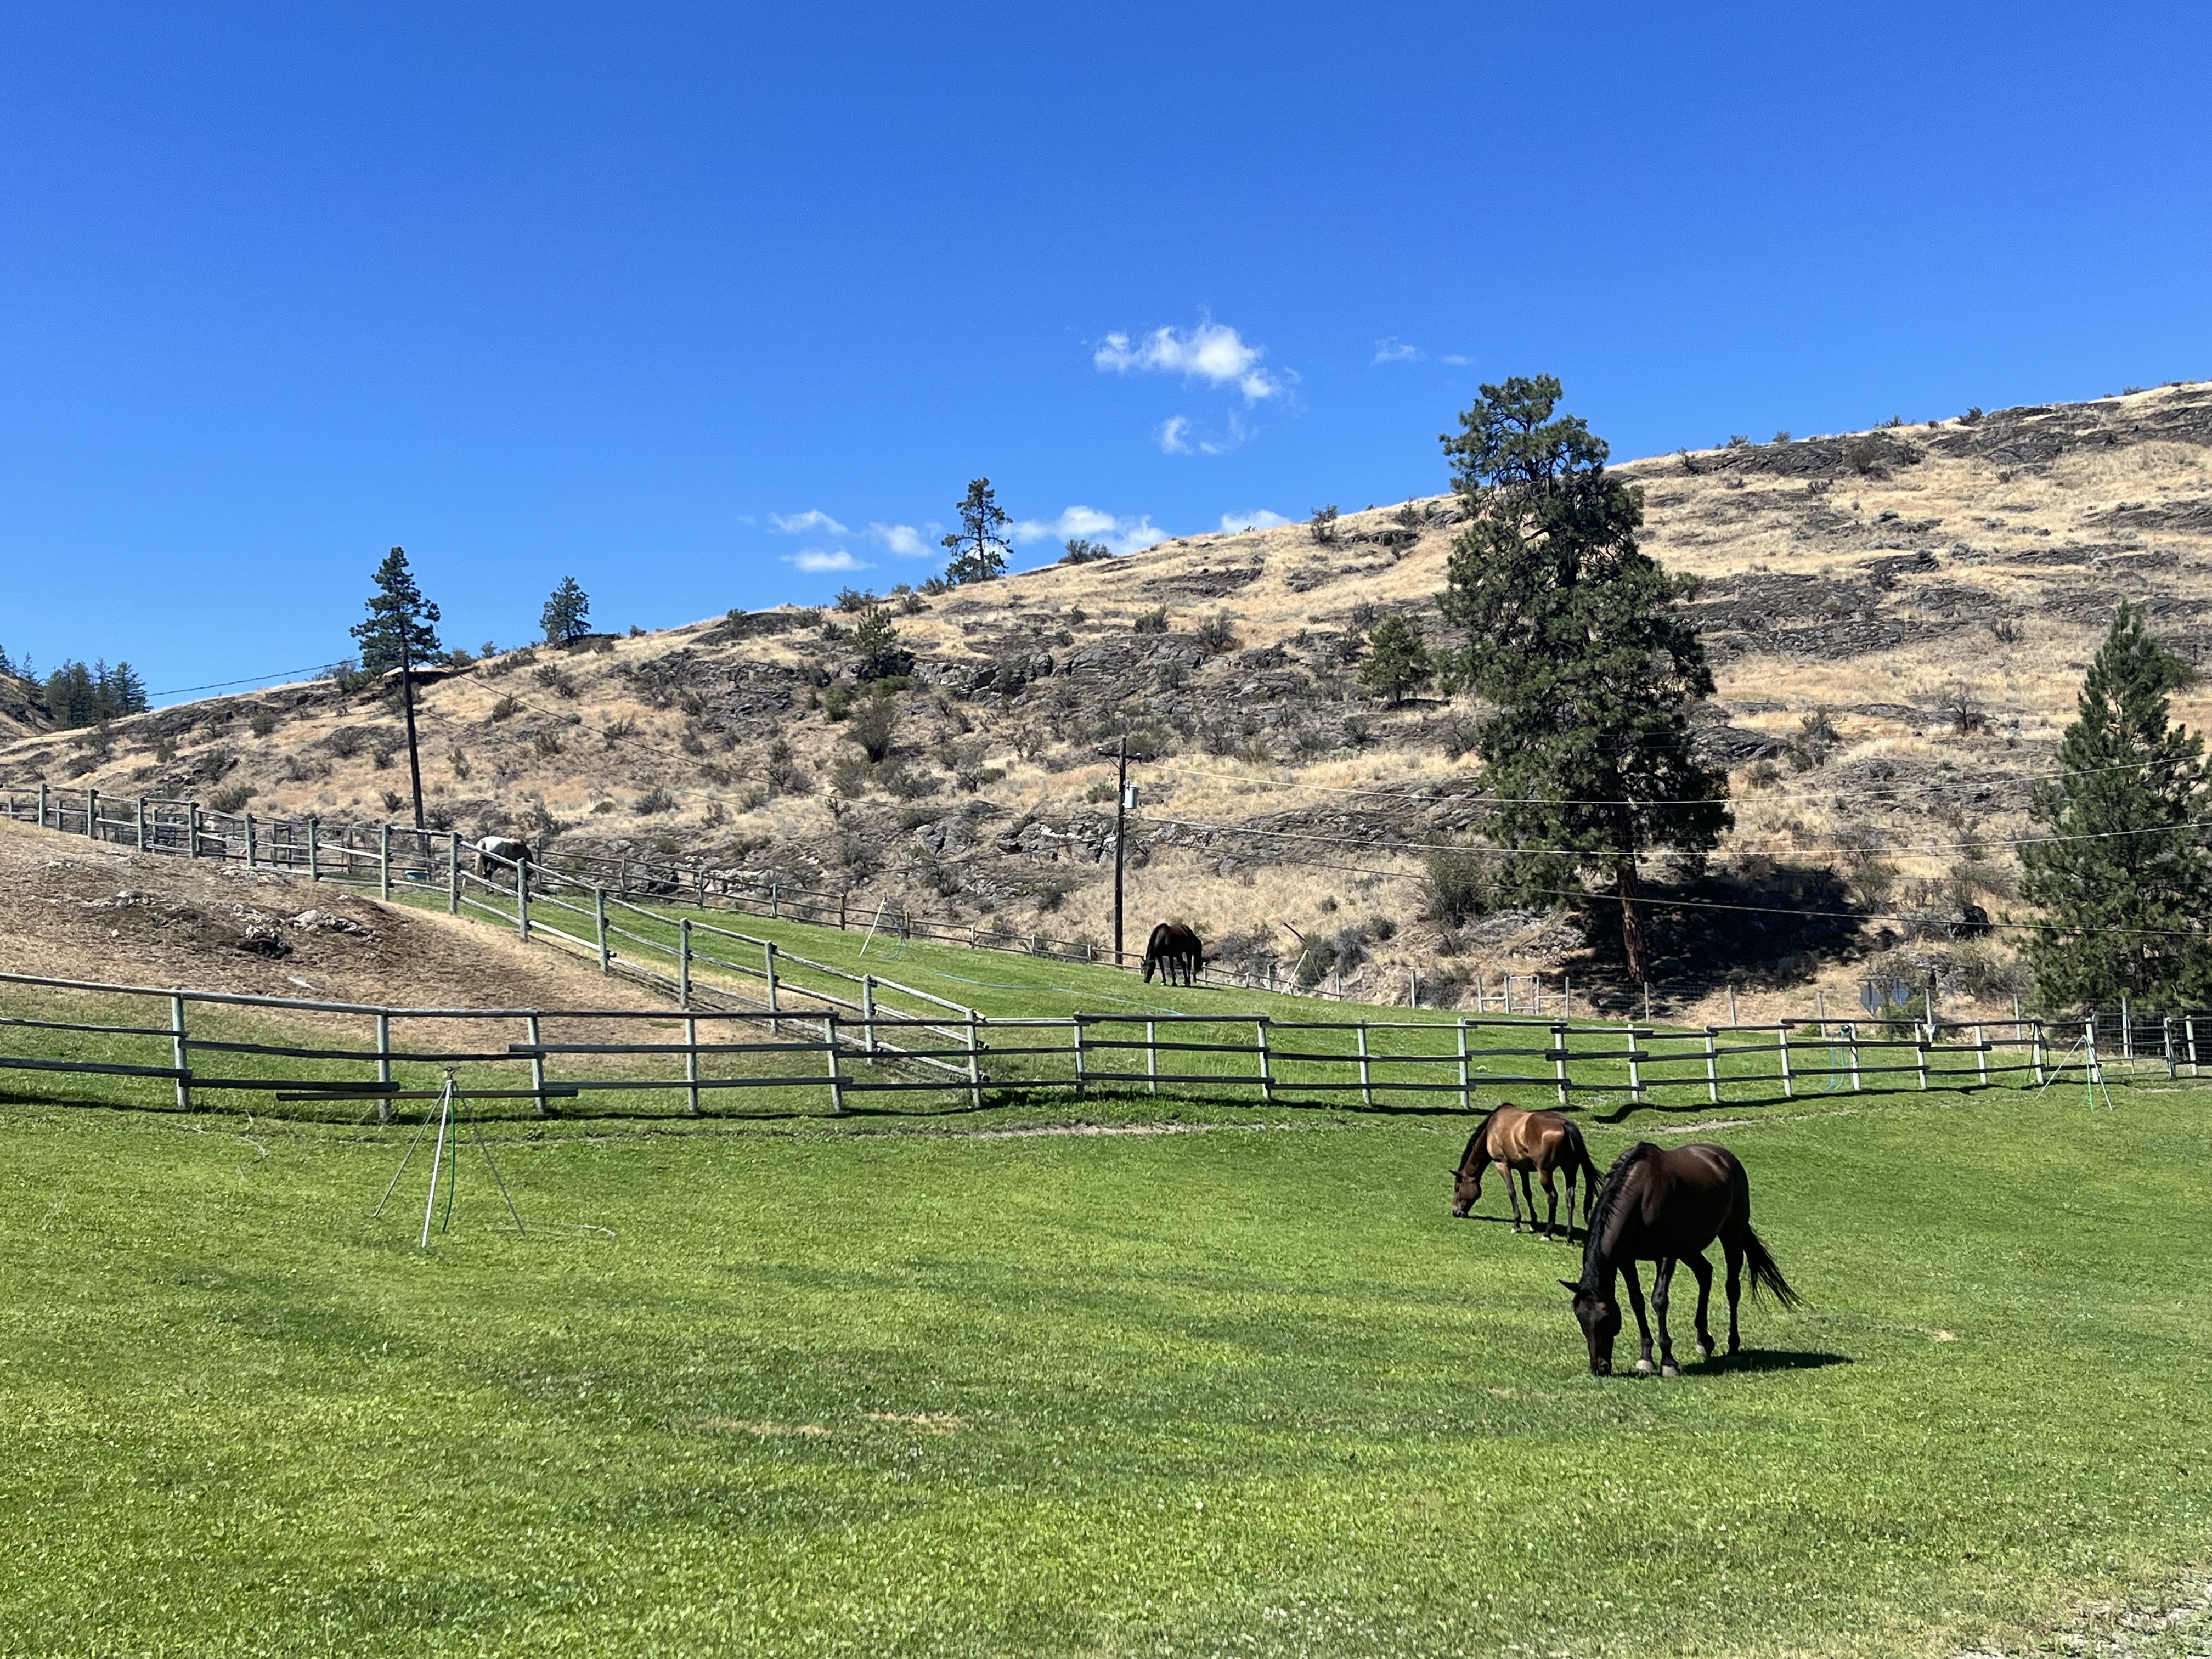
1664	1208
1526	1143
1173	949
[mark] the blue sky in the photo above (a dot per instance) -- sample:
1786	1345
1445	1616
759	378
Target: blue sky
684	300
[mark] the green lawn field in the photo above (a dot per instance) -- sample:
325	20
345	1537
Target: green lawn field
1242	1387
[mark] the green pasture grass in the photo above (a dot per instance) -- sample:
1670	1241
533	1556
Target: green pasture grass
1242	1389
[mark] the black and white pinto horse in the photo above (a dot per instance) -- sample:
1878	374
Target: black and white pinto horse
497	857
1173	949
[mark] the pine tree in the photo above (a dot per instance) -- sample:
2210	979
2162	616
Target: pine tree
2128	894
1397	660
400	633
1573	635
567	616
979	548
876	642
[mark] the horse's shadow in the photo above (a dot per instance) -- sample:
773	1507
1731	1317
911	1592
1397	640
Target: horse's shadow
1769	1359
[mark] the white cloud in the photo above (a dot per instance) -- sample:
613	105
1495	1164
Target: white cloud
902	539
1212	352
1121	534
801	524
1262	519
1176	435
1395	350
818	559
1171	435
1457	360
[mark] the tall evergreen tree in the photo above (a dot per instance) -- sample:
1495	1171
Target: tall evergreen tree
2129	893
400	632
1574	635
568	614
979	547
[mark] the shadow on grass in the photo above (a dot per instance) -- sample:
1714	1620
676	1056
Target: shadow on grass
1770	1359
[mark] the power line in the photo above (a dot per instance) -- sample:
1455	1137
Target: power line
250	679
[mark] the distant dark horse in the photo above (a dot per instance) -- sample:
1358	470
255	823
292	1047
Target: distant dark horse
1667	1207
1526	1143
1173	949
498	856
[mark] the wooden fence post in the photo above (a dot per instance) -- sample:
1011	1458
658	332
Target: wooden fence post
522	897
1366	1074
868	1013
683	962
142	824
1981	1058
2166	1035
2189	1041
1466	1080
1076	1022
1267	1068
453	873
1712	1068
774	1024
384	860
180	1046
314	850
42	808
1920	1051
1853	1031
1152	1056
2127	1029
537	1067
2092	1070
1782	1041
1559	1058
191	827
975	1060
691	1064
836	1076
599	924
92	814
383	1066
249	840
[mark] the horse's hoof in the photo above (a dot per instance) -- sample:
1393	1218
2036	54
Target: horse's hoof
1705	1350
1670	1369
1643	1368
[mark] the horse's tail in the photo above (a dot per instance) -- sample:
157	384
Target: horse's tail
1765	1275
1579	1164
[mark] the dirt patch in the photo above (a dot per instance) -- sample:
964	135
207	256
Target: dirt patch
71	908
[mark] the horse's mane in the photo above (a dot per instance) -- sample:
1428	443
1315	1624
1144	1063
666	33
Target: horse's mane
1608	1199
1473	1141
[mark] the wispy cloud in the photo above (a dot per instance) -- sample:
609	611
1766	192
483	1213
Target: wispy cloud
1177	435
1123	535
1259	519
1456	360
811	522
1212	352
815	560
1395	350
903	539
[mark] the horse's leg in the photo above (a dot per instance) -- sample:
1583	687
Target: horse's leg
1551	1207
1571	1203
1643	1325
1733	1248
1528	1192
1514	1198
1662	1280
1703	1269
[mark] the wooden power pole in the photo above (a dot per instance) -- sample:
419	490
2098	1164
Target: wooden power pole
407	694
1121	817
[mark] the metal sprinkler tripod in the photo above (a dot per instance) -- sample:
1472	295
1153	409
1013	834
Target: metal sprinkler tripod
446	1154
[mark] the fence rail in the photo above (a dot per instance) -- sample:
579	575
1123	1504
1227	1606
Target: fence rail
794	1058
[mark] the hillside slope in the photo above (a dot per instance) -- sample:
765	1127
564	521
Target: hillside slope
1898	620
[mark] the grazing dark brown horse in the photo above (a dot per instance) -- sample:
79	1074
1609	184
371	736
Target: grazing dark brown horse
1526	1143
1173	949
1664	1208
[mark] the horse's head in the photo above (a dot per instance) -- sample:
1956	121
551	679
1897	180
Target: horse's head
1466	1186
1466	1178
1151	962
1599	1315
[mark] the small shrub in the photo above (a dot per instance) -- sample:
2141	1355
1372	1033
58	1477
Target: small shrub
547	743
1321	526
1864	456
165	750
1738	441
691	742
1083	552
348	741
393	800
1457	734
2005	630
837	701
603	806
1455	888
458	761
653	803
381	756
873	726
617	730
1782	436
1966	714
1972	416
854	600
910	602
1151	622
263	723
848	775
1217	633
506	707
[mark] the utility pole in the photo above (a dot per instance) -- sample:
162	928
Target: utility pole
407	693
1121	817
